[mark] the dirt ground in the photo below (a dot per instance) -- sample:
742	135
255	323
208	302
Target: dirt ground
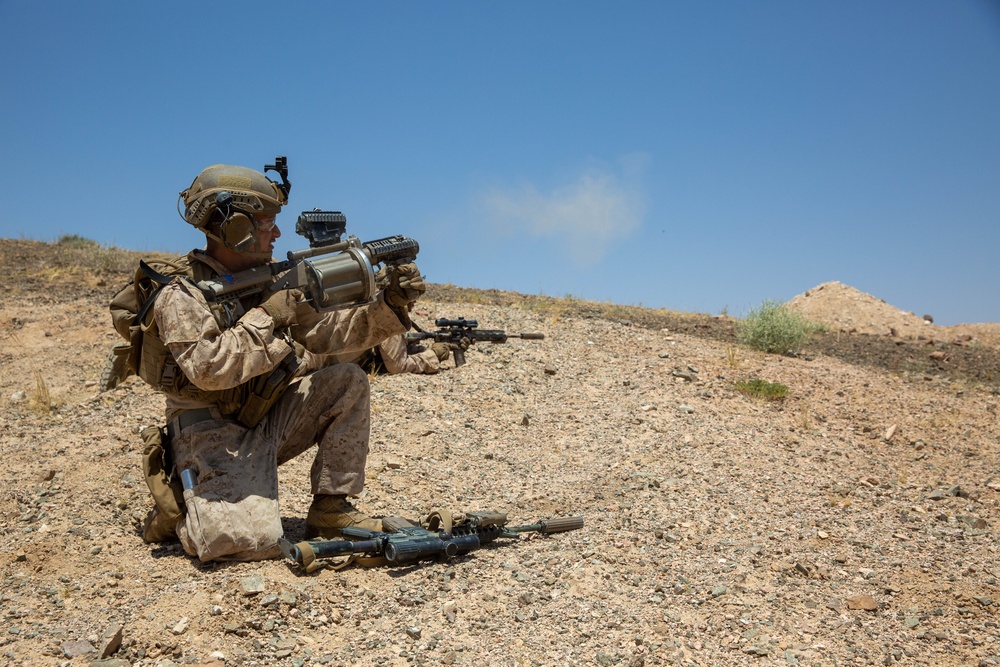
852	523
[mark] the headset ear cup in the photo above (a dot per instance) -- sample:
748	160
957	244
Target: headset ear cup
237	232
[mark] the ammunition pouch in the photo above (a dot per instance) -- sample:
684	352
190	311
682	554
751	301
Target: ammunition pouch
164	486
266	390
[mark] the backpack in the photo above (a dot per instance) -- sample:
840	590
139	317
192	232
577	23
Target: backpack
132	317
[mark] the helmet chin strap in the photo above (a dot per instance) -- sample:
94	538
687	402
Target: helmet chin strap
258	253
254	252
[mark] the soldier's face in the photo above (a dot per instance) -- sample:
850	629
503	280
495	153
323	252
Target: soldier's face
267	233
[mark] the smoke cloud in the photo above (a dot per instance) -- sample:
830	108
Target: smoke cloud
599	208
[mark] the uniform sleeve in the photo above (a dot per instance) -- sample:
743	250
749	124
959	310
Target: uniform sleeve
397	358
211	358
352	330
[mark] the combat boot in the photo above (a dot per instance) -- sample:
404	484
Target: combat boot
329	514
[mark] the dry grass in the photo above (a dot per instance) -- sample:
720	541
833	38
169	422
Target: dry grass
75	254
41	399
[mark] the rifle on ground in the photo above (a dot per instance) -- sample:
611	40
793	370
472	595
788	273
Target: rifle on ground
402	542
461	333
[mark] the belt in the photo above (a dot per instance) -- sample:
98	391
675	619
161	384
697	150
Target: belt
188	418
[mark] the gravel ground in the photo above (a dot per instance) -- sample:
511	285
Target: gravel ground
852	523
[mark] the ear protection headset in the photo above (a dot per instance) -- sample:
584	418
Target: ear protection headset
238	226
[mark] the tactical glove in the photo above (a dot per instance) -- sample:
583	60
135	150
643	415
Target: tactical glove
281	306
405	285
441	350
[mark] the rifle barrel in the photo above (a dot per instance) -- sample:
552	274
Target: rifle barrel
556	525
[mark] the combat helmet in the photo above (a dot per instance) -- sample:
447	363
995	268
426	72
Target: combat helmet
235	197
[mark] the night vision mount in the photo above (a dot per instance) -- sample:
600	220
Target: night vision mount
281	167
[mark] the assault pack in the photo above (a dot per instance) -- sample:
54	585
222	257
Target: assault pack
132	317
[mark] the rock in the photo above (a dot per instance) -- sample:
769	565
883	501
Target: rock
862	602
76	648
252	585
889	432
182	626
111	640
678	373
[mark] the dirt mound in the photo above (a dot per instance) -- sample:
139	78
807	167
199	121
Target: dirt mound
846	309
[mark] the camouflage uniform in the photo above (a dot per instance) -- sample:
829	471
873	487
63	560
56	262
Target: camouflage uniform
232	512
399	357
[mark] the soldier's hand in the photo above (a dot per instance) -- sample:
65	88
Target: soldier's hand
441	350
281	306
405	285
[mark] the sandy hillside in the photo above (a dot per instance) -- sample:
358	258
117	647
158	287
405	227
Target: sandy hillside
852	523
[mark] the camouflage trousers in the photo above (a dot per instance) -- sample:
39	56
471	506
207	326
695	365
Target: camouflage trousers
232	511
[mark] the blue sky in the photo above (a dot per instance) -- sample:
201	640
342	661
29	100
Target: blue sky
695	156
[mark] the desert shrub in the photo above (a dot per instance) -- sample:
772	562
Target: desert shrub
76	241
773	327
757	388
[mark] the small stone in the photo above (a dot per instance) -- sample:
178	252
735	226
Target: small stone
73	649
182	626
111	640
413	632
862	602
252	585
